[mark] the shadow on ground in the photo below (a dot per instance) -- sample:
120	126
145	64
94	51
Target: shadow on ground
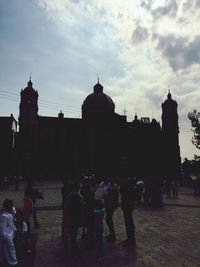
28	260
115	255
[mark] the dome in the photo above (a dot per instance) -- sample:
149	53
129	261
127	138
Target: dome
102	101
98	101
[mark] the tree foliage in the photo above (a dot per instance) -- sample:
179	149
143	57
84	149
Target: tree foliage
194	117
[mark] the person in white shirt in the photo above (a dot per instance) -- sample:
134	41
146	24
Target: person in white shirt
7	232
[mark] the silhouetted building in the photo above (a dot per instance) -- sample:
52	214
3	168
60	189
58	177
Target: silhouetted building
102	142
8	129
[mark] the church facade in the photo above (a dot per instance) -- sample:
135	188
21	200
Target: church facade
101	142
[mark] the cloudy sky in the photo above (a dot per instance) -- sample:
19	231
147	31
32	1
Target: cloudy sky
138	47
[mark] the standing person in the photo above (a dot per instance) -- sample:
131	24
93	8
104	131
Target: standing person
34	194
88	193
7	232
74	208
111	203
140	189
174	188
99	213
27	210
127	191
65	190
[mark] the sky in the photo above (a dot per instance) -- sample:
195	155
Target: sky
138	49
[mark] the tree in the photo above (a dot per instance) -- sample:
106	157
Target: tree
194	117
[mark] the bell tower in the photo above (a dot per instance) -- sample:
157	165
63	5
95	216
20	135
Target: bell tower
28	109
28	130
170	135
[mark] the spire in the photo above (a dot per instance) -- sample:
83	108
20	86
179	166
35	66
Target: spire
169	96
30	82
97	78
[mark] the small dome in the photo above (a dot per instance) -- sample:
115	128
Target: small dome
61	115
29	90
98	88
169	101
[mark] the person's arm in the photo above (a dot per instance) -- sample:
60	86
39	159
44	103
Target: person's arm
3	223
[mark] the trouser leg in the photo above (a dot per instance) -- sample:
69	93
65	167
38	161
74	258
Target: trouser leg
91	230
129	224
100	241
35	220
10	253
73	231
109	221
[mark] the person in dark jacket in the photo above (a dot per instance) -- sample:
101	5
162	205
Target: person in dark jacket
88	193
111	203
74	208
127	190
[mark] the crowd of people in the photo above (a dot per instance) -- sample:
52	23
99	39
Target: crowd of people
87	203
15	227
171	188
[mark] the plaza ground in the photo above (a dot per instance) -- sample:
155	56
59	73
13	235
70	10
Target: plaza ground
169	236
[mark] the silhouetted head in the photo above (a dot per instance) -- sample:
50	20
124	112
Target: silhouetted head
8	205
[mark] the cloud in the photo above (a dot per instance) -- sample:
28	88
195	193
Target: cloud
197	3
154	95
168	10
180	52
147	4
158	10
140	34
187	5
191	5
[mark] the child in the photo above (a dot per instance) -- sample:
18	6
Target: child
99	213
7	232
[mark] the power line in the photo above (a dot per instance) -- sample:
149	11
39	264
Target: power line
45	106
52	103
42	101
